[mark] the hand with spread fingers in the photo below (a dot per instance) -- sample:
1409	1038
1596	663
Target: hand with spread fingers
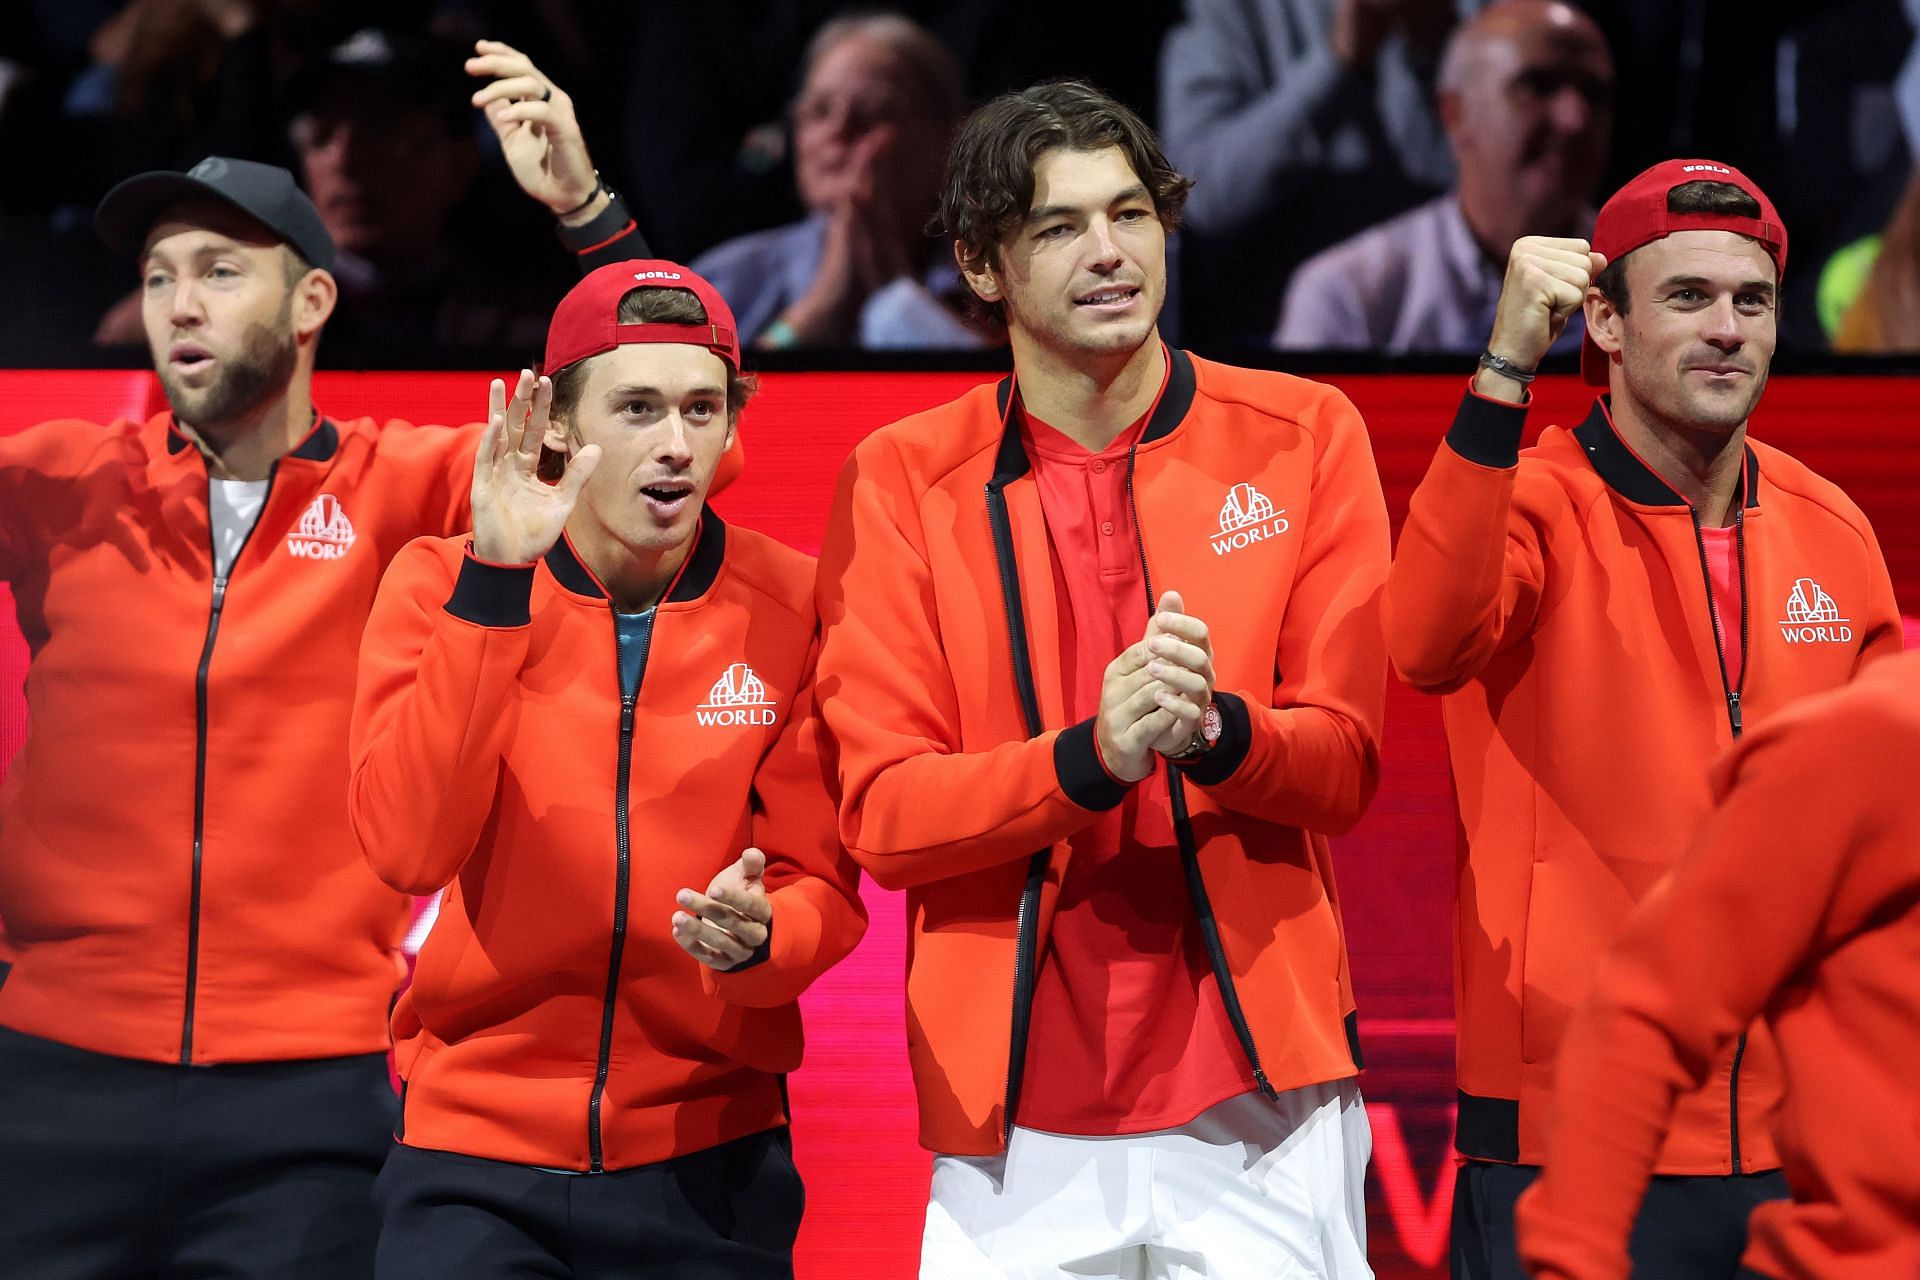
517	516
724	926
539	134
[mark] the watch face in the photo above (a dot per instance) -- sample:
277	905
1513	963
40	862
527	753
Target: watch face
1210	724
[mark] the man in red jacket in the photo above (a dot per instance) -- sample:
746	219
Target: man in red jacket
1799	903
603	698
196	965
1603	614
1104	669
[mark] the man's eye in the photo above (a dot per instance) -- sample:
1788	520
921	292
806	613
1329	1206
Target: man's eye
1050	233
156	281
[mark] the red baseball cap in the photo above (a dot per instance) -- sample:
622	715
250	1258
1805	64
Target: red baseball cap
1638	215
587	321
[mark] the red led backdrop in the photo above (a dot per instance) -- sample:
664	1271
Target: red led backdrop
853	1104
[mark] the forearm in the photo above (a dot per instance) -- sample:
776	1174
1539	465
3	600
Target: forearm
430	729
1450	601
602	233
932	815
1304	766
817	921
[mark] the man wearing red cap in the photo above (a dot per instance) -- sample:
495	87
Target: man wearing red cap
601	699
1603	613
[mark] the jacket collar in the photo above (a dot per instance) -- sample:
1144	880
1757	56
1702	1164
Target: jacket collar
1011	462
318	445
1628	475
696	575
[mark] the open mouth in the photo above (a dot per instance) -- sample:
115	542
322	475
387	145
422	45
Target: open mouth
1114	296
189	357
669	494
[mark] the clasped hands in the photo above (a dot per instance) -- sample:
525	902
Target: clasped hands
1154	695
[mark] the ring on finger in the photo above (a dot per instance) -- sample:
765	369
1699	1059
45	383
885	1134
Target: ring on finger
546	95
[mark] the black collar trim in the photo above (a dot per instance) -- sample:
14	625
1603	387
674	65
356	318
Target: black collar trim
1011	462
319	445
1633	479
696	576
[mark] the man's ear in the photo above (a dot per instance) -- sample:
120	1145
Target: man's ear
1605	324
980	274
314	297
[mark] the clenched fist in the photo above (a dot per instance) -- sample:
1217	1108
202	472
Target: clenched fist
1547	279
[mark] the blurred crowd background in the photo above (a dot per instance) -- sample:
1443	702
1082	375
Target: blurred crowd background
1361	165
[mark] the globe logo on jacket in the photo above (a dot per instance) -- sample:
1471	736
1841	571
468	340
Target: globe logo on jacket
324	532
1246	517
1813	617
738	697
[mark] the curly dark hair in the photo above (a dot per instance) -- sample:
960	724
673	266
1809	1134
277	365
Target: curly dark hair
989	185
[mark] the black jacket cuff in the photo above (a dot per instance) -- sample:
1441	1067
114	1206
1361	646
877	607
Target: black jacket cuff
1076	761
1236	739
610	237
1487	431
760	953
492	595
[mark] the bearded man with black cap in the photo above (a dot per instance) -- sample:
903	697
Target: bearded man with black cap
1603	614
196	964
607	696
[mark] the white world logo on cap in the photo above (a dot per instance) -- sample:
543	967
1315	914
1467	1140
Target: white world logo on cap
656	275
208	170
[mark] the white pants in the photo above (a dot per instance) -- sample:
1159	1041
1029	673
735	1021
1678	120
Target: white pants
1252	1189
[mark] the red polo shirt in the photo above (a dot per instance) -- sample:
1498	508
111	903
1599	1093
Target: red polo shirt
1129	1033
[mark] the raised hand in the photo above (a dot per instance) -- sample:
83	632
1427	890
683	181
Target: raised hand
517	516
1180	658
539	134
726	924
1547	279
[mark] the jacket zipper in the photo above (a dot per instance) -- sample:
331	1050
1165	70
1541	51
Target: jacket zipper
200	757
621	876
1026	917
1189	851
1733	690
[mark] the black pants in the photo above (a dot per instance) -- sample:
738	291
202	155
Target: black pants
114	1169
727	1213
1688	1228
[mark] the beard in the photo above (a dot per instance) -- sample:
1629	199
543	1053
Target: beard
253	375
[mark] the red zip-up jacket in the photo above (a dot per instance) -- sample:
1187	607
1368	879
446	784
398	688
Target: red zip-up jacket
552	1019
1559	599
1799	903
178	882
1256	497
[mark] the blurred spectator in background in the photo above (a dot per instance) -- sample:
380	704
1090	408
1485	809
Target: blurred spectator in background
1526	94
878	106
385	142
1877	310
1299	120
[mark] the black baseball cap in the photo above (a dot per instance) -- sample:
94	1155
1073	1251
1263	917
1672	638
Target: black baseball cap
264	192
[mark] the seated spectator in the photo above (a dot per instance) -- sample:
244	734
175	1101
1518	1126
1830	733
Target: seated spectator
386	144
1298	120
879	102
1526	88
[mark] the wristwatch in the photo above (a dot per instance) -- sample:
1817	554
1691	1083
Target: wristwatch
1204	738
